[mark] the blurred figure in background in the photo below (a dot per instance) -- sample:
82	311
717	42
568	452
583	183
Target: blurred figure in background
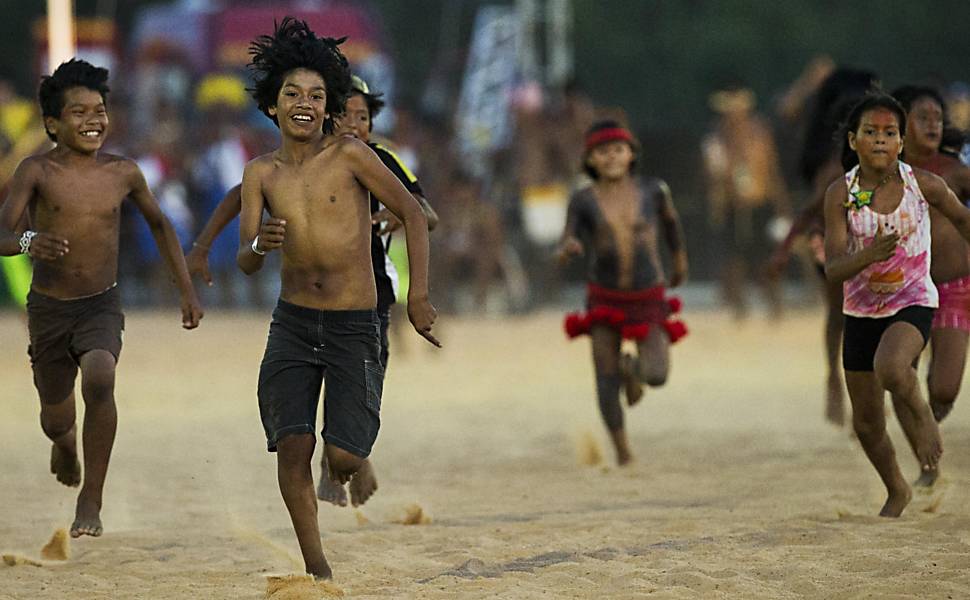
226	147
746	191
820	165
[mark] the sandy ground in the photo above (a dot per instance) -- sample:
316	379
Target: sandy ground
740	489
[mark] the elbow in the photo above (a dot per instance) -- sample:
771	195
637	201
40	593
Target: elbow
432	218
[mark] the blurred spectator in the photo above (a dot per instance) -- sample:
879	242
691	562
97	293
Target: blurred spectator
745	192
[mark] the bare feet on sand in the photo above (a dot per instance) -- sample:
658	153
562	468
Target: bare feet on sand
835	401
363	485
330	491
897	501
65	465
87	518
632	385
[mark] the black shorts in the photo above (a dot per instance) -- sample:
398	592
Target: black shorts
862	335
308	348
62	331
385	318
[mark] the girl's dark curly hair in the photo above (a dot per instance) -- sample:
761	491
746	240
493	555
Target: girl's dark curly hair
71	74
294	46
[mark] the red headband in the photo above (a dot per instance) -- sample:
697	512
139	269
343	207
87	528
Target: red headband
603	136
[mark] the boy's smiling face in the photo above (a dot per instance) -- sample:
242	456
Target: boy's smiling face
83	122
301	105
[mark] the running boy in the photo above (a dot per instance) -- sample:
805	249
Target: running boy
877	242
73	195
361	107
325	327
616	222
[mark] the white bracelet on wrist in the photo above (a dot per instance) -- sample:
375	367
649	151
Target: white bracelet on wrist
25	240
255	249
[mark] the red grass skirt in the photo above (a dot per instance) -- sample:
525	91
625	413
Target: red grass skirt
630	312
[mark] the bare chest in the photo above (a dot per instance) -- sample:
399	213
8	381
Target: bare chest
74	197
304	193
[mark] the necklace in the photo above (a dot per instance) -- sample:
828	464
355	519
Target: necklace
862	197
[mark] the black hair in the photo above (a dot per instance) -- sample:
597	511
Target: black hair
952	141
871	101
71	74
907	96
374	104
833	101
294	46
599	126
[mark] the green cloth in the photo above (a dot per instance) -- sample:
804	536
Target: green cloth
398	253
17	273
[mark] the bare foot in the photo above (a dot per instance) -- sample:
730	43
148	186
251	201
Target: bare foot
835	401
87	518
631	383
623	454
65	466
927	478
941	410
897	501
363	485
929	444
320	572
330	491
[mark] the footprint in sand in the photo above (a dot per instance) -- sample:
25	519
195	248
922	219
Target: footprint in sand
58	547
299	587
15	560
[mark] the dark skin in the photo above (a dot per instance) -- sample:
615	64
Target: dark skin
315	189
355	122
619	200
73	195
924	131
878	145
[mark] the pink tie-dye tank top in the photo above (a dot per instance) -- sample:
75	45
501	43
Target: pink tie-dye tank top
882	289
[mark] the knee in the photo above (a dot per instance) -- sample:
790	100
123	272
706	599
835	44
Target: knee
655	377
98	386
868	432
343	464
943	392
893	378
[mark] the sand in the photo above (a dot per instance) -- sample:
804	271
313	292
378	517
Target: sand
740	490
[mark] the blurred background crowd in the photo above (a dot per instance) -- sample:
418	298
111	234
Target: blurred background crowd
488	102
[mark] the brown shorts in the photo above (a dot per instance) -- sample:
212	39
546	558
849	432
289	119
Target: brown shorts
64	330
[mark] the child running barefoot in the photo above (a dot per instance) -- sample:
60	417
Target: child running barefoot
73	194
877	242
616	222
325	327
950	268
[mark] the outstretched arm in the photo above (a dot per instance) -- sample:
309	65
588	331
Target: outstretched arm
674	234
374	176
570	244
840	264
168	245
198	257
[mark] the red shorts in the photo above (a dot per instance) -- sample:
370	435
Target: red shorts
630	312
954	310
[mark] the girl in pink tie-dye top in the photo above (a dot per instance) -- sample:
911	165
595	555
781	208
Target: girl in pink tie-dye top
884	288
877	243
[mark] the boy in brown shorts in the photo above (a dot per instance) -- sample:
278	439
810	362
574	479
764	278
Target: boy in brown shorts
73	194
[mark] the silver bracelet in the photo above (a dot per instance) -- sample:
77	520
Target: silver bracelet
25	241
255	249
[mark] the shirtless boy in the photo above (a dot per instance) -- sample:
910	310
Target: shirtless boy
325	327
73	195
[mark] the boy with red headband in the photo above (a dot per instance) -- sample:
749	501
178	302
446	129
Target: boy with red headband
615	223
